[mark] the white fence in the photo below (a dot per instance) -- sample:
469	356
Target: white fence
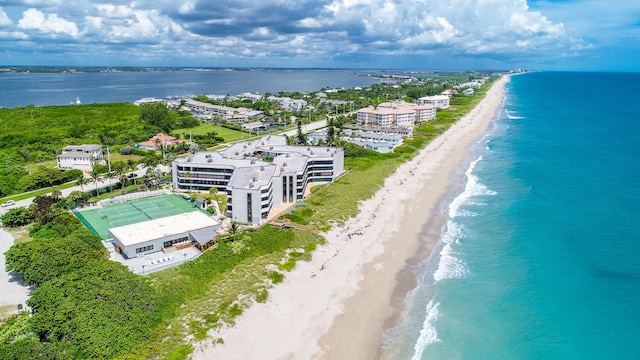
133	196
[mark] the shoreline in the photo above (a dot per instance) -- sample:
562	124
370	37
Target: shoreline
362	272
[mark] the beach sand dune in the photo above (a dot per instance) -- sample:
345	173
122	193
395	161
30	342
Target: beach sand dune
336	305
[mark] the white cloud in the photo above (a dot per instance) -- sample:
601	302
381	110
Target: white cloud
13	35
318	30
114	11
51	23
4	19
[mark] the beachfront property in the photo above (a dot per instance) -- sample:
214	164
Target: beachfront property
159	141
396	114
166	234
439	101
231	115
81	157
259	177
379	141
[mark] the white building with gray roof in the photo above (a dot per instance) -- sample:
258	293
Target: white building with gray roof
259	176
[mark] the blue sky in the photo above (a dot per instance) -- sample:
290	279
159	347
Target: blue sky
390	34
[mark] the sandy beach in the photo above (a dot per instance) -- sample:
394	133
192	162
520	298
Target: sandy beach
337	305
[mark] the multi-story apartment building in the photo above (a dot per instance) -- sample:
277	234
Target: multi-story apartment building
259	176
229	114
396	114
440	101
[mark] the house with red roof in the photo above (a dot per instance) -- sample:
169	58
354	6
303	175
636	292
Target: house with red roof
159	141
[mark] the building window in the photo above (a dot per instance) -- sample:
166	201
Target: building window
249	208
284	189
144	248
290	188
175	241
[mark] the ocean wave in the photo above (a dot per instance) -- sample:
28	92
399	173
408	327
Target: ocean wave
428	333
449	266
512	117
472	189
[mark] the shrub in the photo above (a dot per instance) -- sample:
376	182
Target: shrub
275	276
127	150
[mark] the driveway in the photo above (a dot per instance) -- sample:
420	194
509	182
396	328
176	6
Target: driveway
13	292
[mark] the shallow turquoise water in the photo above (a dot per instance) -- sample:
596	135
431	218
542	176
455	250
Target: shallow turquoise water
540	257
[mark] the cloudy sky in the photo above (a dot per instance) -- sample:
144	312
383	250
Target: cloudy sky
391	34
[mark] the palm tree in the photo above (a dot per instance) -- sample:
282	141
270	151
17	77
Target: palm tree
233	231
131	165
95	175
123	179
82	182
55	192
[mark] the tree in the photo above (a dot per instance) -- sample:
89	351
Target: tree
95	176
131	165
56	193
331	133
82	182
42	208
77	198
233	231
301	139
15	217
157	114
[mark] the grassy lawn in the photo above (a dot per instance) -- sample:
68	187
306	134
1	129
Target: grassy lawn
229	135
116	156
38	192
46	164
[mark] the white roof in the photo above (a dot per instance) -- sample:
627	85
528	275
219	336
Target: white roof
158	228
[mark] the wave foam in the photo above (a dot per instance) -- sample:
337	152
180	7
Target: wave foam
472	189
428	333
450	267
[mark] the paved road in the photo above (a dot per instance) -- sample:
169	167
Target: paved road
90	186
306	128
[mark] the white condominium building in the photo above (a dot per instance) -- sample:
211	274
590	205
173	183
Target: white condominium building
440	101
260	175
396	114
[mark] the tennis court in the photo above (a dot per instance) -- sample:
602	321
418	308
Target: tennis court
132	212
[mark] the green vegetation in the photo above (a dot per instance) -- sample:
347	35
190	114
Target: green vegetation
86	306
119	125
229	135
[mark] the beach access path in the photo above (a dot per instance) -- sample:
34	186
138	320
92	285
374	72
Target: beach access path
337	305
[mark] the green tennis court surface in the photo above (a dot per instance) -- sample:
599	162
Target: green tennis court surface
132	212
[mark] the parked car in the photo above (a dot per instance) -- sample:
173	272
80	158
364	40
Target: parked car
8	203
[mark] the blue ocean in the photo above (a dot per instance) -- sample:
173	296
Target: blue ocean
540	255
